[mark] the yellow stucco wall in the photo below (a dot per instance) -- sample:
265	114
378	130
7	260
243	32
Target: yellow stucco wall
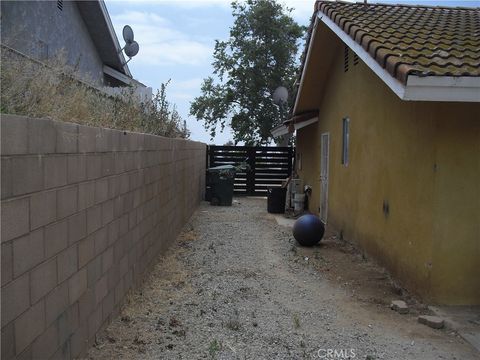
423	158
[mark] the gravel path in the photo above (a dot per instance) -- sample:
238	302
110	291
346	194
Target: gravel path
235	286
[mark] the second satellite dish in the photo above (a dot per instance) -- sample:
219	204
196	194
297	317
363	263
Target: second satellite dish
280	95
127	34
131	46
131	49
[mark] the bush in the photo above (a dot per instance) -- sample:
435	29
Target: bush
52	89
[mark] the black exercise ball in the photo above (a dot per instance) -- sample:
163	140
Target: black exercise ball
308	230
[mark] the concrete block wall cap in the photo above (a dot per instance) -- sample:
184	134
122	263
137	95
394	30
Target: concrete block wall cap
434	322
399	306
67	137
87	138
14	130
42	136
103	140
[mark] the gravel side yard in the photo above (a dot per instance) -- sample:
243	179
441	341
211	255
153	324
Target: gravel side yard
236	286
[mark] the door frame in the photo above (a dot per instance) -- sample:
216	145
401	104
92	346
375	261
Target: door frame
324	175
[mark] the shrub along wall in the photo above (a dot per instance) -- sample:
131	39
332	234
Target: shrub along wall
85	212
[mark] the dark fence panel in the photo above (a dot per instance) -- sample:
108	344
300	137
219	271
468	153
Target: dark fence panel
269	166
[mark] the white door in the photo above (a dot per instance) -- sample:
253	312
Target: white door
325	143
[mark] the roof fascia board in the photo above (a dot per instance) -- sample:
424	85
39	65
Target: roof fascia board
440	88
113	35
396	86
283	129
305	123
423	89
307	59
117	75
457	81
279	131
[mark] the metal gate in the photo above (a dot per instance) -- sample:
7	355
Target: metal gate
269	166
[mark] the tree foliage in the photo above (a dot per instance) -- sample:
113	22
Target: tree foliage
259	56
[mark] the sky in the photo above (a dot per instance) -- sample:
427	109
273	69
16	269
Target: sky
177	39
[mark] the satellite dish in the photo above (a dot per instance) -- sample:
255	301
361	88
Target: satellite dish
127	34
280	95
131	46
131	49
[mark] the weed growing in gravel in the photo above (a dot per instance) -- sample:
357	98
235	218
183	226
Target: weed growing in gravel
233	323
296	321
214	347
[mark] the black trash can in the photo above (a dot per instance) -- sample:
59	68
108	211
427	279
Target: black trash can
220	181
276	200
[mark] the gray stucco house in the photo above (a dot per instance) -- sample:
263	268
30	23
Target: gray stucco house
82	30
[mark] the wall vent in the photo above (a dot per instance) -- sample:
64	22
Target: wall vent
345	58
356	59
60	5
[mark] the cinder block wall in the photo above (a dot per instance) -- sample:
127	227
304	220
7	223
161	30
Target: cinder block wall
85	212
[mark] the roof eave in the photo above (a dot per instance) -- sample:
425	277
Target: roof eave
279	130
305	65
417	88
113	35
99	25
295	123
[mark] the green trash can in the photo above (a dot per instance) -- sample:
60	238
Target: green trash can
220	185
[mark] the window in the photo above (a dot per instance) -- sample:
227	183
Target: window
346	136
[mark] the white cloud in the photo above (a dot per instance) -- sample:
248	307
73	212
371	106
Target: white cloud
176	97
190	84
185	90
302	9
184	3
160	43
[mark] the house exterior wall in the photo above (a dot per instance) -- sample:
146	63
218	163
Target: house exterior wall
40	30
423	159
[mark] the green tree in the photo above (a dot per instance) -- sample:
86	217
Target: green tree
259	56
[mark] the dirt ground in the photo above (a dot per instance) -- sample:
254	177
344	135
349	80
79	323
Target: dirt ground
237	286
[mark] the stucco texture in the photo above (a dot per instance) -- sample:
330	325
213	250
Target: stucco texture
422	158
40	30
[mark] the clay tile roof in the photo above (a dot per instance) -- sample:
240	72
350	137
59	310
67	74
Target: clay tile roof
417	40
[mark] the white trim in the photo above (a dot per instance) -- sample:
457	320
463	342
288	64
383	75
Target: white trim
443	88
456	81
117	75
284	129
113	35
279	131
307	58
305	123
324	177
418	88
